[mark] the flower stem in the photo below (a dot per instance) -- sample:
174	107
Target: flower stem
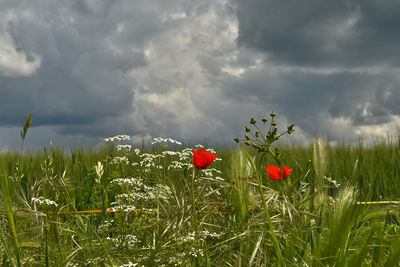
264	203
194	214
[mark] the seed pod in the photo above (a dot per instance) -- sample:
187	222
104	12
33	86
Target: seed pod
253	121
264	119
247	136
273	114
247	129
237	139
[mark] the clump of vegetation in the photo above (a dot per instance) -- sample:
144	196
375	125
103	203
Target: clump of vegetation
260	204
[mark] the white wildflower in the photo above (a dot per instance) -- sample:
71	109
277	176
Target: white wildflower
171	153
44	201
118	160
120	137
129	264
96	261
124	147
137	151
334	182
159	140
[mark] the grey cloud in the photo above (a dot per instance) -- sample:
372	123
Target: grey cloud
319	103
96	77
198	70
322	33
85	53
331	67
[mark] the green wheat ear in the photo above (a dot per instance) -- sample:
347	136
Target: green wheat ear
24	131
26	126
319	159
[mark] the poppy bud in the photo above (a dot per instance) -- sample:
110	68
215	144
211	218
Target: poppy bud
237	139
253	121
290	129
264	119
247	136
257	133
247	129
273	114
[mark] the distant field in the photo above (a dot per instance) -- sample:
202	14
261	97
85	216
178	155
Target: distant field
140	213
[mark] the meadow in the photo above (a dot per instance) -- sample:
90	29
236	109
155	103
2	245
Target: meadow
121	205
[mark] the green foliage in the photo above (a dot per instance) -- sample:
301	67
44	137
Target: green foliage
314	212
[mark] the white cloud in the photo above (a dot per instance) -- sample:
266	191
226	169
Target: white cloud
14	61
177	93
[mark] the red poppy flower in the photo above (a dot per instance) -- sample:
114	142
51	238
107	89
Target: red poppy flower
202	158
275	173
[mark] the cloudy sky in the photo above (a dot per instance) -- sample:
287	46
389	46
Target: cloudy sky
197	70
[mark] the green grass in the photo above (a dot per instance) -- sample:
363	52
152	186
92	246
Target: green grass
315	222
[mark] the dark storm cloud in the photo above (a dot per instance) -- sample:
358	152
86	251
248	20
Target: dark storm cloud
197	70
85	49
98	68
329	66
322	33
332	104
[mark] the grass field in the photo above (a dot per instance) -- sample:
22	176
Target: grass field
151	207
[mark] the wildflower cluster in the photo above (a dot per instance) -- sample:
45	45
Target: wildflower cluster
183	159
120	160
143	199
159	140
124	147
135	190
44	201
118	138
331	181
129	264
150	160
179	165
124	241
210	173
190	237
94	262
105	226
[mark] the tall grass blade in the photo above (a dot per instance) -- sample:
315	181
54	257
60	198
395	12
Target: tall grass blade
10	216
